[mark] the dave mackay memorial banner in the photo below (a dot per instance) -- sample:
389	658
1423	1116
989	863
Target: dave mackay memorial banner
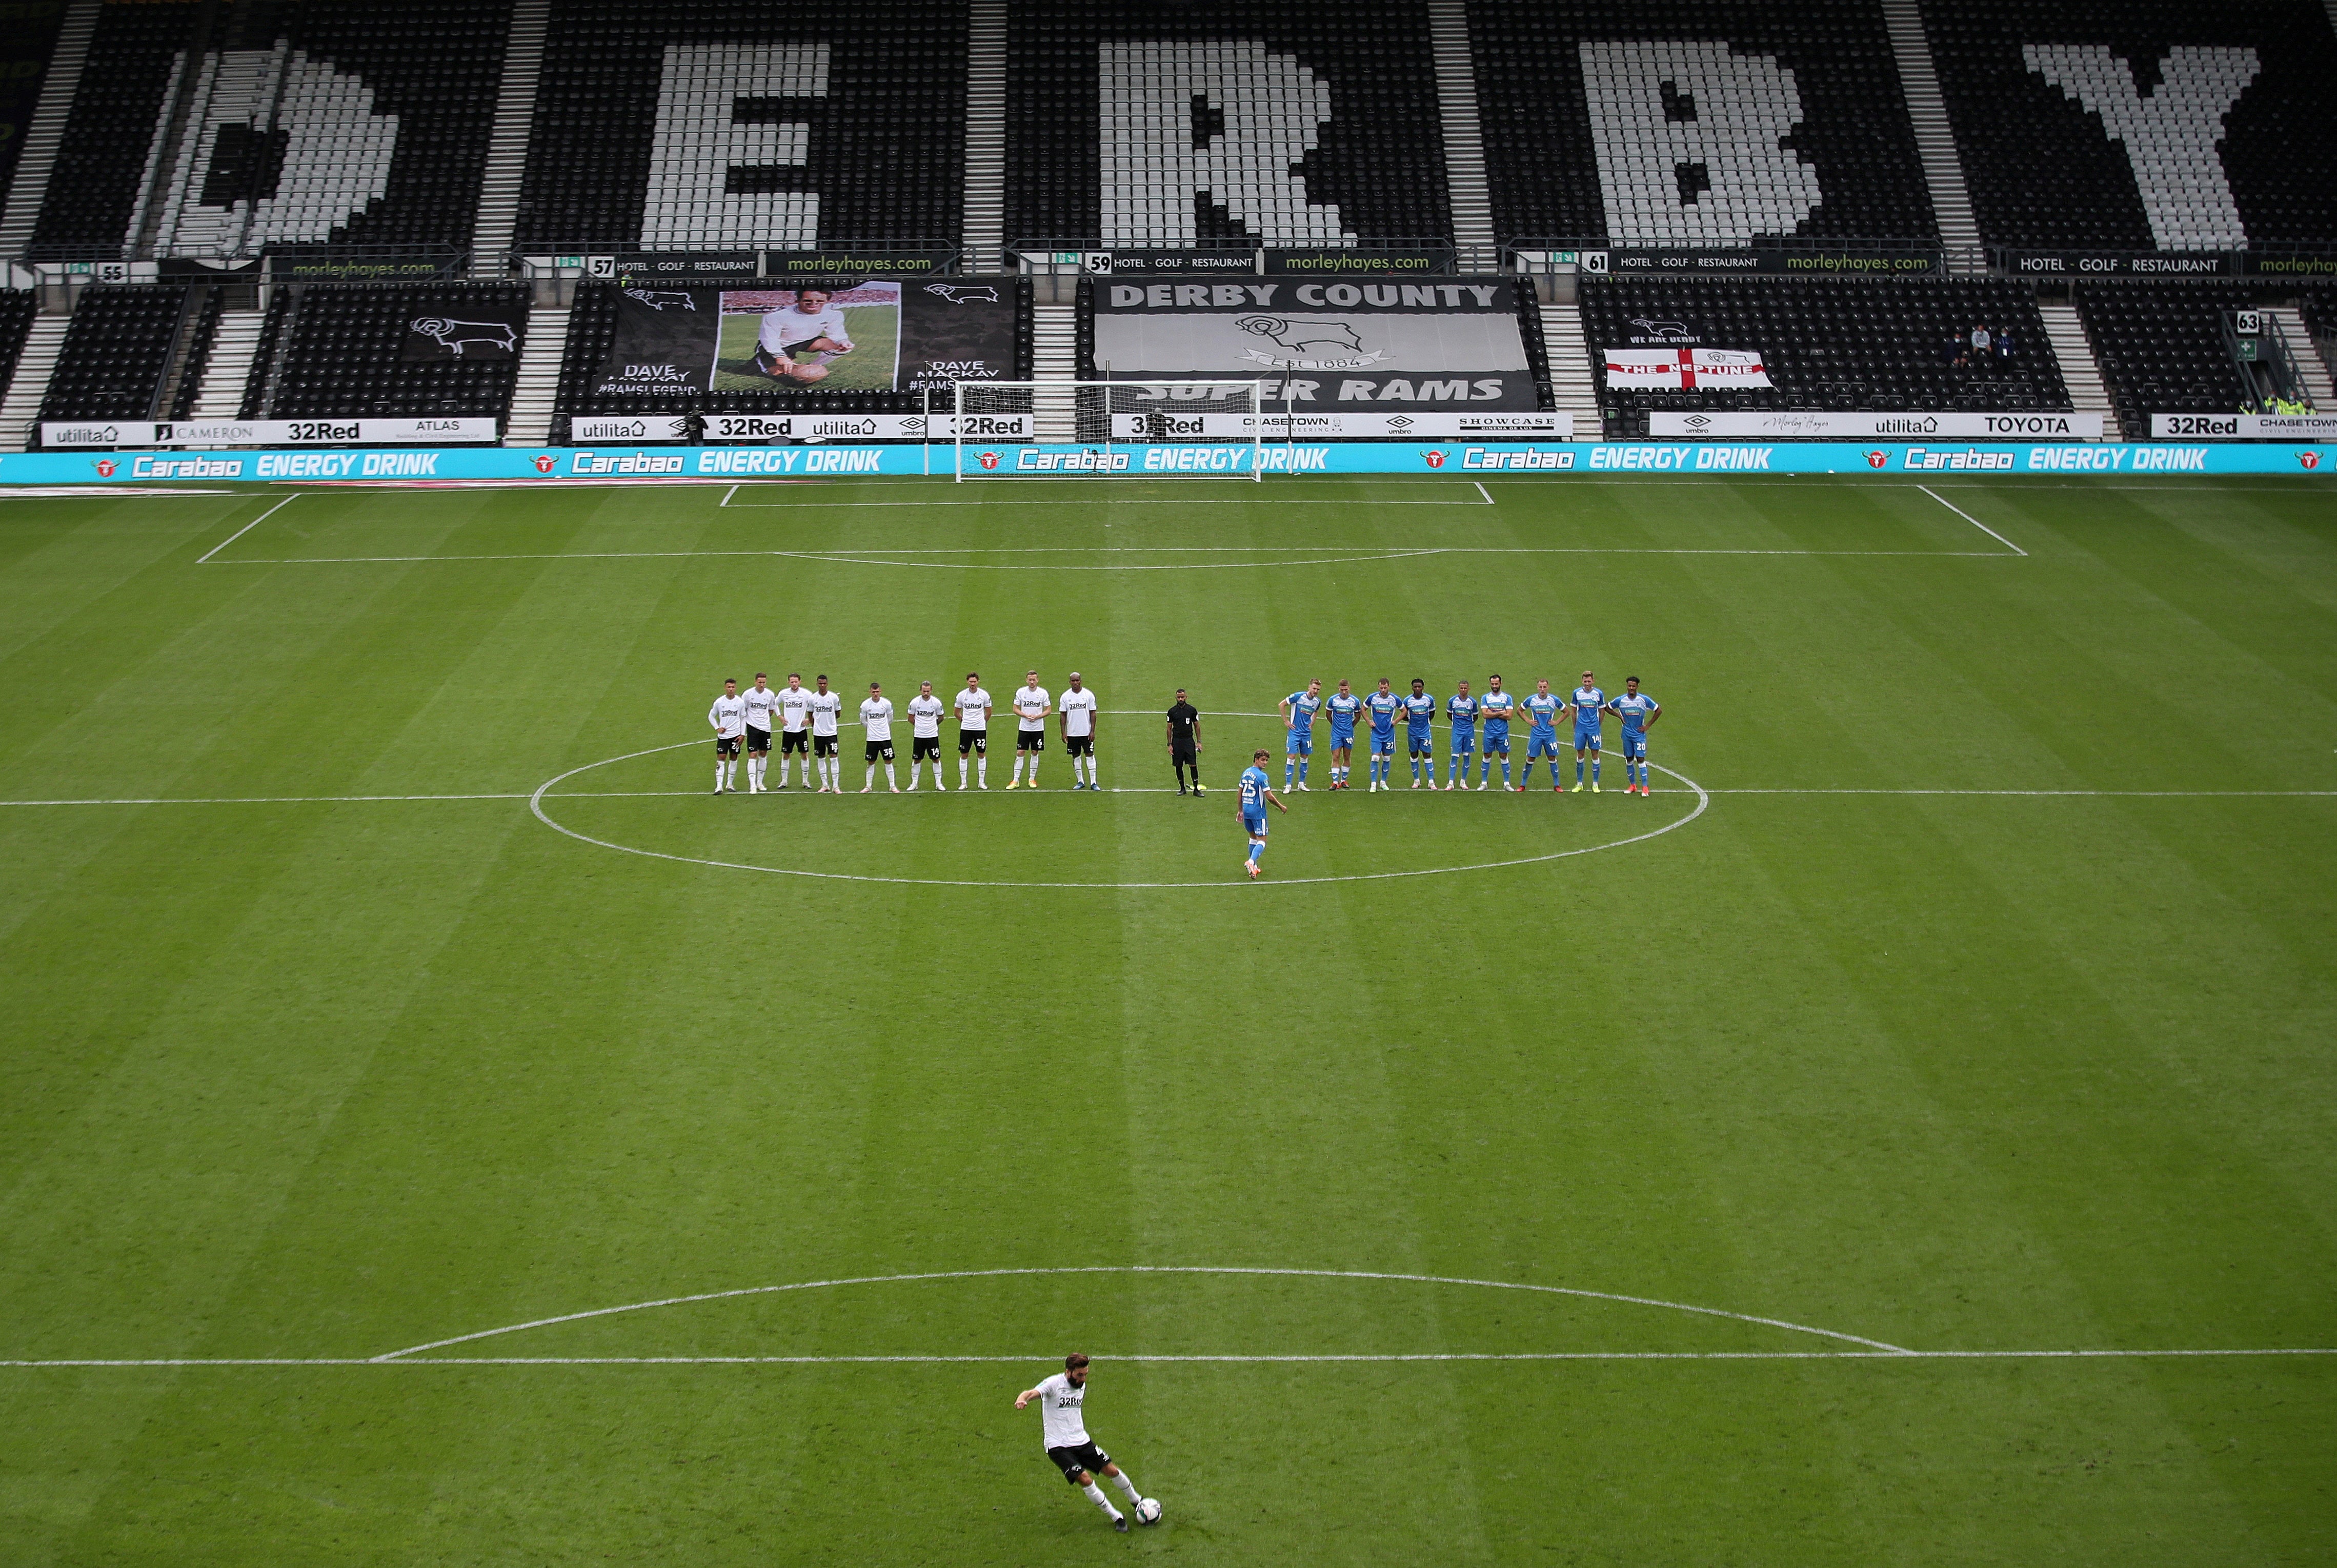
878	335
1420	346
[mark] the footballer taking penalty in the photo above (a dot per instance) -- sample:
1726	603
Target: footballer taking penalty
1062	1425
1250	806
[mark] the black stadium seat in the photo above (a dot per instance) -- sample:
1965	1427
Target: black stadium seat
344	359
2161	349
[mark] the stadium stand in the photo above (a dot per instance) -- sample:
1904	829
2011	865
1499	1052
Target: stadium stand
25	49
1866	346
115	352
2143	124
2161	349
184	376
1679	122
17	308
724	123
204	130
1275	122
343	345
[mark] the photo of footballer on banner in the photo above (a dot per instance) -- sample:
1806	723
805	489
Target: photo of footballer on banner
872	335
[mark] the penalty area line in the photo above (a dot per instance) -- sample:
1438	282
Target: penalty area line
1377	1357
247	527
1969	517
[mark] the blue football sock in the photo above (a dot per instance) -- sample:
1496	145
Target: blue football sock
1302	768
1578	770
1256	850
1594	769
1505	772
1288	769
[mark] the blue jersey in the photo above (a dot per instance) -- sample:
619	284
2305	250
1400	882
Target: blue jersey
1343	705
1461	712
1302	710
1383	705
1542	709
1635	710
1587	700
1419	712
1497	705
1253	792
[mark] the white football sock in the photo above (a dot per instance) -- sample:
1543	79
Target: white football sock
1128	1486
1096	1496
890	782
1019	757
718	775
982	773
870	782
960	772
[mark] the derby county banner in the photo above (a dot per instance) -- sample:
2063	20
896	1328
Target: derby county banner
1425	345
1685	369
879	335
479	332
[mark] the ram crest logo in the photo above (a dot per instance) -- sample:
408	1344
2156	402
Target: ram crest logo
659	299
1663	331
1301	335
960	294
459	336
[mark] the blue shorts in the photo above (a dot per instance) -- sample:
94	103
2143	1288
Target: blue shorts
1254	826
1422	743
1586	737
1497	744
1635	744
1298	743
1383	744
1342	740
1464	742
1541	743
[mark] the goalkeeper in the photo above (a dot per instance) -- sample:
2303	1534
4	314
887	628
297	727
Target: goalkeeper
791	335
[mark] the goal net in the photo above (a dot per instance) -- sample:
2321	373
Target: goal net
1010	428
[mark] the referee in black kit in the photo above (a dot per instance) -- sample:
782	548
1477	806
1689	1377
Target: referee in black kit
1185	741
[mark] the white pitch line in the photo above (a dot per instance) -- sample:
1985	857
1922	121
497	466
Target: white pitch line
1040	1358
2078	794
1484	491
1969	517
842	558
247	527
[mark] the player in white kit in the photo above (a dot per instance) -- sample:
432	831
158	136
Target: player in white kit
973	729
729	717
925	711
795	726
826	709
1079	711
1070	1449
761	702
876	718
1031	711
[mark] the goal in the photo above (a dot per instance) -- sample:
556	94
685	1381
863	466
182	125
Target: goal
1010	428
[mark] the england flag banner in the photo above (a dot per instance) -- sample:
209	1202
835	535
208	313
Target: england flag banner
1683	369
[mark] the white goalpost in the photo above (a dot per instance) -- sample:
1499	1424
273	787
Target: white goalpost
1180	429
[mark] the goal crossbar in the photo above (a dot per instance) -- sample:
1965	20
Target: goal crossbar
1075	428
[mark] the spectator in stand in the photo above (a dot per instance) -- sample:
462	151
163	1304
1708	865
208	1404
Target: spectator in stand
2004	347
1980	345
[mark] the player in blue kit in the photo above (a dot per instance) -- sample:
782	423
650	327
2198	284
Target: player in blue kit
1342	706
1298	710
1382	705
1461	717
1638	712
1496	705
1251	802
1542	709
1419	714
1586	704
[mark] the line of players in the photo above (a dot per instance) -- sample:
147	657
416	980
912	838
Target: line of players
809	722
1588	706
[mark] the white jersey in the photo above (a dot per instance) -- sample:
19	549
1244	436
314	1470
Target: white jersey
973	710
761	703
827	708
876	716
795	708
1031	704
786	328
728	717
925	717
1079	712
1060	1422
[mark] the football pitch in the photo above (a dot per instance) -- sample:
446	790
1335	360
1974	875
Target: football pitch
437	1129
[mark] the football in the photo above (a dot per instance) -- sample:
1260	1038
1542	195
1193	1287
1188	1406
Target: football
1148	1511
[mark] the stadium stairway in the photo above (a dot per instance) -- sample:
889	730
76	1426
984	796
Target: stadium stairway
985	240
2310	365
220	395
514	115
537	386
1464	139
1935	141
2081	373
1575	390
29	387
47	128
1055	357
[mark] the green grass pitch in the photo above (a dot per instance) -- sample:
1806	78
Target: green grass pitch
1979	997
